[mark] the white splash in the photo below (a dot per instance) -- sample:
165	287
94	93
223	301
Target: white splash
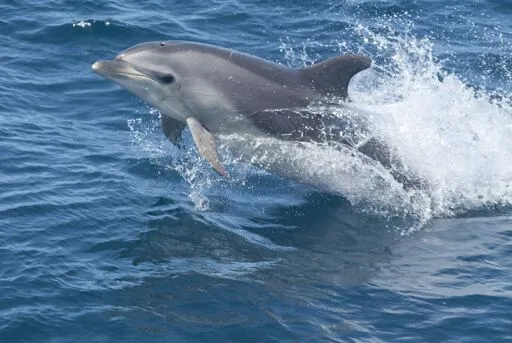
456	138
459	140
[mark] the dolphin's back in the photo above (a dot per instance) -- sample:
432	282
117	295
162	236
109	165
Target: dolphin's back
330	76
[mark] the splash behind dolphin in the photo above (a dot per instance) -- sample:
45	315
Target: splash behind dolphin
220	91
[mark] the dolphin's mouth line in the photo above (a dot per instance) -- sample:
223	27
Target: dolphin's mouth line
113	68
140	76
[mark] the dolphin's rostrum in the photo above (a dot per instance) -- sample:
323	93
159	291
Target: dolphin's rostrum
217	91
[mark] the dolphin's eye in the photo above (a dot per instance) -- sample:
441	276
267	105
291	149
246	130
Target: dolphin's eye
166	79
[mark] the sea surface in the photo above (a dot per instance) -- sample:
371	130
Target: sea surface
109	233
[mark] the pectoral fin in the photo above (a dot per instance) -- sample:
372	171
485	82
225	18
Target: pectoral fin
172	128
205	144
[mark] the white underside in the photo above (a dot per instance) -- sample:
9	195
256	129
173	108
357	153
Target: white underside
339	170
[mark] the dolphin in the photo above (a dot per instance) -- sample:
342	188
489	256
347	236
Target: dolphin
215	91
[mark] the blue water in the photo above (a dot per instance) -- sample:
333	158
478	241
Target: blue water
108	233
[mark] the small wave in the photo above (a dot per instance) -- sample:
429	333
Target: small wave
88	29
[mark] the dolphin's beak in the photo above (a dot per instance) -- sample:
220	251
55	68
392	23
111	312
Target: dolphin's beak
115	69
97	66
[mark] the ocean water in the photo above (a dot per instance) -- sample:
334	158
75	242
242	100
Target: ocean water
108	233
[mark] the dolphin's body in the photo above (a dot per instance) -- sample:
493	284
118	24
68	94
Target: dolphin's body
219	91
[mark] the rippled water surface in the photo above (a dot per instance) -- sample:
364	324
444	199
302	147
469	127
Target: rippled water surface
109	233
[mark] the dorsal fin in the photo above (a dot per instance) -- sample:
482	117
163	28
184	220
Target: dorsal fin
333	75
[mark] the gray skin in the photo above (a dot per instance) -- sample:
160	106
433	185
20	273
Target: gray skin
221	91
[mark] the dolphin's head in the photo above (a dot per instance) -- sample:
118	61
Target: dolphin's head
151	72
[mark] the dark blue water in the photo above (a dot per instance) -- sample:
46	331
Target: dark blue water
108	233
